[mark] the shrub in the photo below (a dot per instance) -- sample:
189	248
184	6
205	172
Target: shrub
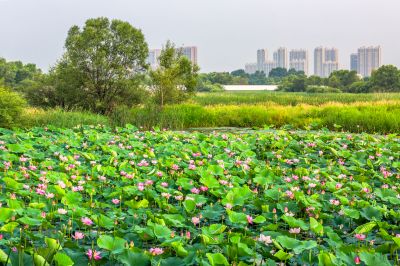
11	107
322	89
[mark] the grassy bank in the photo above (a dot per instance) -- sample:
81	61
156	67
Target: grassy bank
372	117
289	98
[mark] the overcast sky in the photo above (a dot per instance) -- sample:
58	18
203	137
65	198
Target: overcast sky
226	32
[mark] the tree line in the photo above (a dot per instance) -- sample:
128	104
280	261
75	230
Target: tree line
384	79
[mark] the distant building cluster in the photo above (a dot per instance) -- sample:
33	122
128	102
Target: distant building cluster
326	61
264	64
189	51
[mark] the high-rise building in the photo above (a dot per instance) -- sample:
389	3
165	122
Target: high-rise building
354	62
331	55
319	56
190	52
262	57
153	58
369	59
298	60
328	68
326	61
280	57
250	68
268	66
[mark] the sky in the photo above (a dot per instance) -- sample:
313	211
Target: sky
226	32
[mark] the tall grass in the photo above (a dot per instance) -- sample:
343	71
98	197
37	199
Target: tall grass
33	117
288	98
364	116
379	117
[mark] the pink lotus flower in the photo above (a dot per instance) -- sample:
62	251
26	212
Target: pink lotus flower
249	219
93	254
195	190
164	184
61	184
62	211
179	197
175	167
87	221
265	239
78	235
228	206
188	234
357	260
338	186
203	188
334	202
115	201
148	182
43	215
40	191
166	195
195	220
365	190
294	230
1	236
140	186
156	251
360	237
159	174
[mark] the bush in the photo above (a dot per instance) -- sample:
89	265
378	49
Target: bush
11	107
322	89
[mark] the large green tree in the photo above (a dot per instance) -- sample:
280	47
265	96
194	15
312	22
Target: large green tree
343	79
386	78
103	60
175	79
278	72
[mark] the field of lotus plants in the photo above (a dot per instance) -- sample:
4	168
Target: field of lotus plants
96	196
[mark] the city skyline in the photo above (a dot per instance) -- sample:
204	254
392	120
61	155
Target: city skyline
39	28
326	61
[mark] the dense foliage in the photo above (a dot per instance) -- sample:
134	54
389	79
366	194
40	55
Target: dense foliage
239	77
126	197
16	74
384	79
11	107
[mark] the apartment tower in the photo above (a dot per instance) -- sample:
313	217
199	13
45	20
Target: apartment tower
280	57
326	61
298	60
369	59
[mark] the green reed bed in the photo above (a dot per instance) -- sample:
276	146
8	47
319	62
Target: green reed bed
381	117
288	98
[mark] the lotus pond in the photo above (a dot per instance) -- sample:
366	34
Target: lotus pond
96	196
